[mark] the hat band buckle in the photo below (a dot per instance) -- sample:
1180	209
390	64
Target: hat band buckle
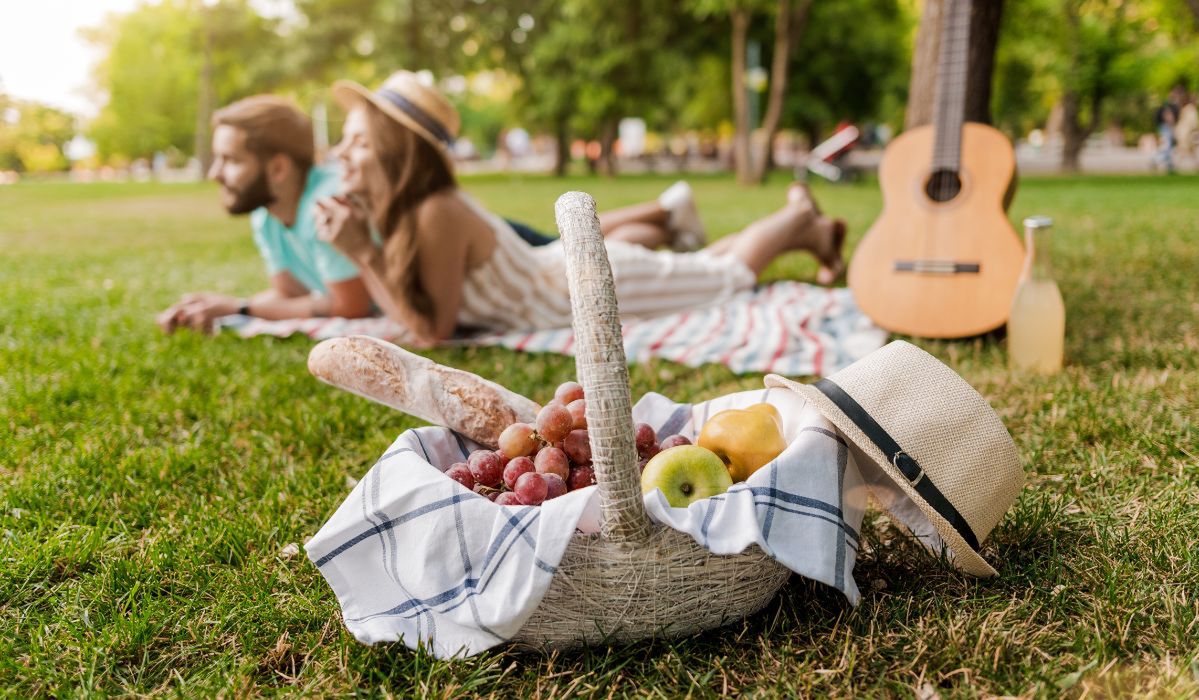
901	460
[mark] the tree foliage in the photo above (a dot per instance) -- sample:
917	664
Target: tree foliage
153	61
32	136
576	67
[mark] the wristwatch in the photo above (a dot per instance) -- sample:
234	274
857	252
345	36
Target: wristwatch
244	309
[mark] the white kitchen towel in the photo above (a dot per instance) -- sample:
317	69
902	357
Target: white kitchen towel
413	556
787	327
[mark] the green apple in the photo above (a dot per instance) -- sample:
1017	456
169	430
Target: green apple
686	474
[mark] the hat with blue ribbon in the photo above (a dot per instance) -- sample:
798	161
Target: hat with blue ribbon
410	101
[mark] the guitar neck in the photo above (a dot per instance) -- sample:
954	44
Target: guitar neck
951	86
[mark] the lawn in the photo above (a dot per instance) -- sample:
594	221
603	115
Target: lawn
149	485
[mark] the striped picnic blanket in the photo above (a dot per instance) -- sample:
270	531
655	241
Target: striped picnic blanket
789	328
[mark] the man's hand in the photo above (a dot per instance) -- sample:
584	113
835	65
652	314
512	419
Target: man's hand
198	311
342	223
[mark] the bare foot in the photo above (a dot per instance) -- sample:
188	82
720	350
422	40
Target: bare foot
829	254
825	237
799	195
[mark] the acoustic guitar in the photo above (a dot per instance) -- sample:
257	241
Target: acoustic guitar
942	260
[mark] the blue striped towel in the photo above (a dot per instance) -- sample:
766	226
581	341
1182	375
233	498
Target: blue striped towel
415	557
788	328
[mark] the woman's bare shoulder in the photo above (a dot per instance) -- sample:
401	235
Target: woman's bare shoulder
444	218
445	210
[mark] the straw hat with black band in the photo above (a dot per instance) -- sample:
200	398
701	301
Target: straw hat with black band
939	459
406	99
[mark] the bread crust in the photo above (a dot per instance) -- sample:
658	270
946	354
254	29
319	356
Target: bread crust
380	371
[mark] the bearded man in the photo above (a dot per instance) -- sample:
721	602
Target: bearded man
263	157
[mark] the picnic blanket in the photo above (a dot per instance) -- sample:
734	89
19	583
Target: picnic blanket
414	556
789	328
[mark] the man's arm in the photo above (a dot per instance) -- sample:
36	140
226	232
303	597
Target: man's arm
287	298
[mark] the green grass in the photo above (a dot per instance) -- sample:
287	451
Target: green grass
149	484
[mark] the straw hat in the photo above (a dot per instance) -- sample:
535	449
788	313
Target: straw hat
406	99
940	446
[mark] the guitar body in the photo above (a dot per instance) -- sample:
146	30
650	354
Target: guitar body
941	269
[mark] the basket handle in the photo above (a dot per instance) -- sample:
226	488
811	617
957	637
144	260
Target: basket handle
602	370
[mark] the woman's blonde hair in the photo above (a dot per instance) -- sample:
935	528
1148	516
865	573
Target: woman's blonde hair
414	170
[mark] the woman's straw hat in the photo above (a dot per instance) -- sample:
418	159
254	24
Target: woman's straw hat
940	445
414	104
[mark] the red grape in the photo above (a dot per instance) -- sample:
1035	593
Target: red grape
553	422
514	470
577	446
551	460
555	486
568	391
578	413
645	437
518	440
531	489
507	498
649	452
486	467
581	477
641	464
461	473
674	441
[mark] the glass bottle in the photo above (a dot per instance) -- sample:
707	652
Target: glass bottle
1036	329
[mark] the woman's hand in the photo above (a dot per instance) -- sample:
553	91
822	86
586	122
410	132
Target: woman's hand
343	224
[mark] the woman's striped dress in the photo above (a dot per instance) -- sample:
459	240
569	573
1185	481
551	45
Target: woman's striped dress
523	287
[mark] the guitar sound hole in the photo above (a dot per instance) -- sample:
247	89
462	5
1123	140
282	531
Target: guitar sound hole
943	185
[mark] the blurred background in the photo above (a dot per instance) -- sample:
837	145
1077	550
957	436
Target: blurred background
124	89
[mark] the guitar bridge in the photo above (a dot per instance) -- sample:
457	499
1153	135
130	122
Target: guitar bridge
937	267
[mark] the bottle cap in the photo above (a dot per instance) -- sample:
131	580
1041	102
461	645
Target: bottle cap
1038	222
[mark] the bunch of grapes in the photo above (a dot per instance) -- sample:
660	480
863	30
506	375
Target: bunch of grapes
539	461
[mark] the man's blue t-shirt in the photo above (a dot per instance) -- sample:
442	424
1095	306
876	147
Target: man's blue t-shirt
297	249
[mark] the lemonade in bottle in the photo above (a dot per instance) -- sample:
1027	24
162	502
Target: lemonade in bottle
1036	328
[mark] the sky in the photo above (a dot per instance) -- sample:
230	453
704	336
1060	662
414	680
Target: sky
42	56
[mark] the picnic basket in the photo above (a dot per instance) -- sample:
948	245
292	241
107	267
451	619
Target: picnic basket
634	579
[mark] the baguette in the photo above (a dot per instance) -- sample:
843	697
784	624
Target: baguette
380	371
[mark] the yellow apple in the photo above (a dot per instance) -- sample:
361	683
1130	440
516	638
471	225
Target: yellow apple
744	439
685	474
770	410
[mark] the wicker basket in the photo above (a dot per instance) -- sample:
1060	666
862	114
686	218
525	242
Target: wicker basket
635	579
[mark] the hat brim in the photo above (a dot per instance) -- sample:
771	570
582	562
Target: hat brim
349	94
965	559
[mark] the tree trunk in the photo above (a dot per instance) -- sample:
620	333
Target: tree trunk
1074	135
204	100
607	159
922	86
788	30
741	155
985	16
561	148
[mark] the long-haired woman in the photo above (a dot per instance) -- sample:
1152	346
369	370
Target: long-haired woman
435	260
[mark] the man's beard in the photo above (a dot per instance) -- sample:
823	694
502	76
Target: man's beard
256	194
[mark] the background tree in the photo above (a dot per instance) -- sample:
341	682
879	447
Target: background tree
851	66
154	65
32	136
